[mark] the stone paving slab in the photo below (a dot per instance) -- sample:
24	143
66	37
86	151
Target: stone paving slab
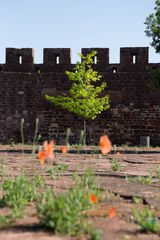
132	164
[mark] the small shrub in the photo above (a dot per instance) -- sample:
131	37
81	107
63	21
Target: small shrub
64	213
87	181
17	193
20	191
144	180
116	166
147	220
4	171
137	200
55	170
10	218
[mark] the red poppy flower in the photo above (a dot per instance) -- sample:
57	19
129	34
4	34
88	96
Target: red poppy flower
64	149
105	144
93	198
47	153
41	156
48	148
111	212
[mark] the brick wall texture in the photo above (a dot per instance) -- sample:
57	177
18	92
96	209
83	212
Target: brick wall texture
134	106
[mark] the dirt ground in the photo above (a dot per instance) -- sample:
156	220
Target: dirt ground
134	162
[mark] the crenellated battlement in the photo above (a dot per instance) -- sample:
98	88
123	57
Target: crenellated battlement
102	57
19	56
22	59
134	105
52	56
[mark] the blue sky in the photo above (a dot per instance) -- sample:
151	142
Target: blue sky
74	24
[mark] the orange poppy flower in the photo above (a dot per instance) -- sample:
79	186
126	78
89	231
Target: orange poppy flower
47	153
105	144
48	148
64	149
93	198
111	212
42	156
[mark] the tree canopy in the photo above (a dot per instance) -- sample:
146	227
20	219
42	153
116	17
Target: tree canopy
83	97
153	26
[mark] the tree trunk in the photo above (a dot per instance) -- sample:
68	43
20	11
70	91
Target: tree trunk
84	129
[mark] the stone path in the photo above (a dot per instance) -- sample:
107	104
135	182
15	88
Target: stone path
121	192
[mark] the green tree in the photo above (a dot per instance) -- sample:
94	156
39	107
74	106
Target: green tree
153	31
154	79
153	26
83	97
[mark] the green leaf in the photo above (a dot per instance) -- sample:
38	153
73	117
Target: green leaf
83	97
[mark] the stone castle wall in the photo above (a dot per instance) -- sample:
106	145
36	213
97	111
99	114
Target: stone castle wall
134	107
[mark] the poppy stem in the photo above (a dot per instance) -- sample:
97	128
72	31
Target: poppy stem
35	136
22	134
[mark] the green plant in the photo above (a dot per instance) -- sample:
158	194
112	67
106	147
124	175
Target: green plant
154	82
55	170
62	167
64	212
137	200
86	181
22	133
68	133
107	197
20	191
145	180
10	218
55	212
147	220
152	26
83	97
36	136
81	138
4	171
116	166
17	193
77	146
